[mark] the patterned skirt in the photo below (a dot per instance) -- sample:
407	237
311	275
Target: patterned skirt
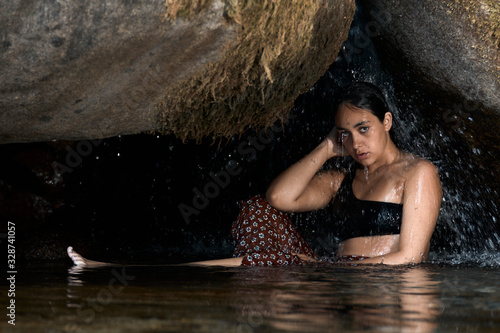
265	236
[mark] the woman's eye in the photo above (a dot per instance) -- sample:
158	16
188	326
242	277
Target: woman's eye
364	129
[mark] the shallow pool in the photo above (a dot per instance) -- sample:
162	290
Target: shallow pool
326	298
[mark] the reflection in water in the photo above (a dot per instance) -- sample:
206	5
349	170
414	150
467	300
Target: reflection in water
74	276
420	302
350	299
323	298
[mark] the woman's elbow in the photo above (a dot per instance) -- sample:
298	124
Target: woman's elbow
277	200
272	197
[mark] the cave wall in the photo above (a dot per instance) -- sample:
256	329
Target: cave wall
119	198
452	45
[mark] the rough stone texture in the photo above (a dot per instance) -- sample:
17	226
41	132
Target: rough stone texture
78	70
453	44
283	48
74	70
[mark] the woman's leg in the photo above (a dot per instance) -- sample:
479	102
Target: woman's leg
229	262
265	236
80	261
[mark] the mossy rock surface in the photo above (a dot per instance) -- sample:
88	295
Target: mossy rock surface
194	68
282	49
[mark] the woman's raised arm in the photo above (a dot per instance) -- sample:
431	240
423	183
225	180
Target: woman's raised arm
301	187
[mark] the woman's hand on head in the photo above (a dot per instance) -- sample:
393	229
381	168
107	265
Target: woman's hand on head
335	147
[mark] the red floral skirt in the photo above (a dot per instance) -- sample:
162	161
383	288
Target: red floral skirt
265	236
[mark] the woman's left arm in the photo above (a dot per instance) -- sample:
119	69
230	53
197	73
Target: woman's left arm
421	203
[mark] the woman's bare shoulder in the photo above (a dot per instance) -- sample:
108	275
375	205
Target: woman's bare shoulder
418	165
421	172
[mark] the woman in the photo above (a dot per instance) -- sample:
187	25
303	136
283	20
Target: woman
386	208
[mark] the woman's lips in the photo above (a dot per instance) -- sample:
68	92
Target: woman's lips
362	156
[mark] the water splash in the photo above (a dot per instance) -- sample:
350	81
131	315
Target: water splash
131	201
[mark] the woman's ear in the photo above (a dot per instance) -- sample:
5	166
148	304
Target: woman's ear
388	121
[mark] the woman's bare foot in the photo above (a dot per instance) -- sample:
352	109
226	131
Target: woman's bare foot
80	261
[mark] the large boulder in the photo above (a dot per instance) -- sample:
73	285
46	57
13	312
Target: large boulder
452	44
445	60
93	69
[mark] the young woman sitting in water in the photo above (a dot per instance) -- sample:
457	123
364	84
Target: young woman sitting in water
386	208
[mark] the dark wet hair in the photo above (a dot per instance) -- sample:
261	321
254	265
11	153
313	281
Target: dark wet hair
367	96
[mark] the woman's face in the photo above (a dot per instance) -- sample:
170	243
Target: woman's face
363	135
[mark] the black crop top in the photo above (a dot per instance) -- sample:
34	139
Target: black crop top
361	218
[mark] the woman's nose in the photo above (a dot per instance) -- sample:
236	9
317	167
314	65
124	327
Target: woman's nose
355	142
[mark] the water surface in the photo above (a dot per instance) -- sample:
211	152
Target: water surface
326	298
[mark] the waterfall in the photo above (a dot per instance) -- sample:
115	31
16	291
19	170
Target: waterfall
467	228
144	196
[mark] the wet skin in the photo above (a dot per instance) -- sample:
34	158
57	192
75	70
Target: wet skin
386	172
387	175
